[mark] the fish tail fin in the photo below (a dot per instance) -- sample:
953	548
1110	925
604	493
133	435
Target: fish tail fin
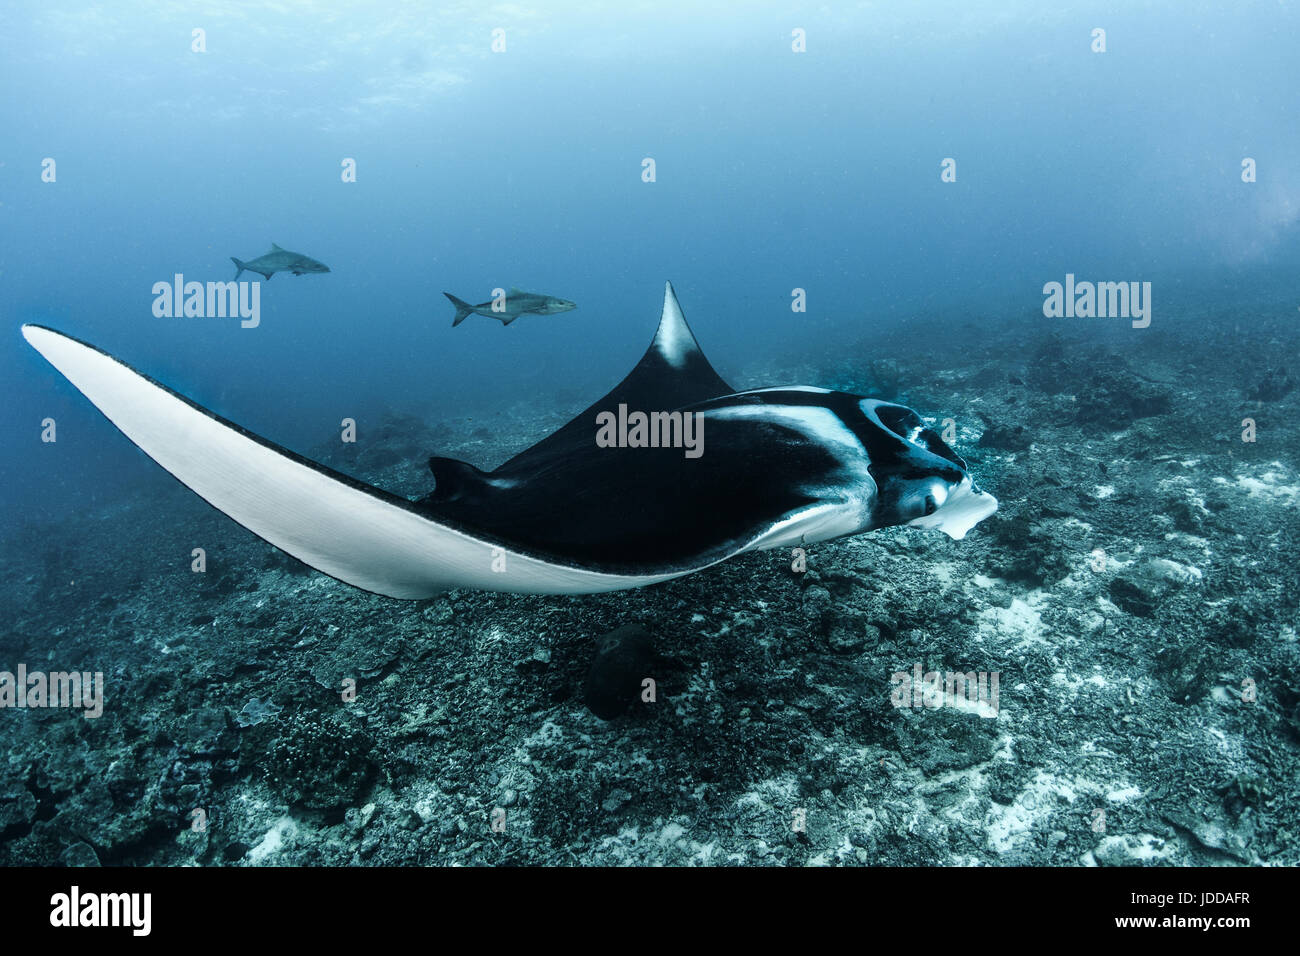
463	309
239	266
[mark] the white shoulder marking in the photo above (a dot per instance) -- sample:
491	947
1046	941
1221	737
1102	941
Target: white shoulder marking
363	537
846	506
818	423
810	389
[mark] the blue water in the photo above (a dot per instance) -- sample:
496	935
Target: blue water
775	170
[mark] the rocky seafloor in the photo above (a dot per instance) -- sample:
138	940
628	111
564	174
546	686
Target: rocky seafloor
1136	594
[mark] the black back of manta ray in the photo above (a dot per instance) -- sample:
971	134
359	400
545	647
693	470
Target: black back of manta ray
672	374
565	496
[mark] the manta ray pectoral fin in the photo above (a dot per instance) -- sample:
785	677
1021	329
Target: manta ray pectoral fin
343	527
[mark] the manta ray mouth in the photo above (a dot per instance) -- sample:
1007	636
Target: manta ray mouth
966	507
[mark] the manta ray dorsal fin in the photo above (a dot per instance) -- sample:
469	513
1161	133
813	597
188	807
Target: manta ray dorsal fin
674	342
672	374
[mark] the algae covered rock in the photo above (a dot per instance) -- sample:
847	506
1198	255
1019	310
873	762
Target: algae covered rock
320	761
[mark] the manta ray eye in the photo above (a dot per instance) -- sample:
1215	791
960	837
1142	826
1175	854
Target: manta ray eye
926	500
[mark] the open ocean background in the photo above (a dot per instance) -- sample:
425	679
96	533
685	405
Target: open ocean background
1136	594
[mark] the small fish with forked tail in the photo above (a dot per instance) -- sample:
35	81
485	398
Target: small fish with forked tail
279	260
510	306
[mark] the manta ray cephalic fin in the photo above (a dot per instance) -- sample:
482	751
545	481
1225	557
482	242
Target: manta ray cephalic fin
346	528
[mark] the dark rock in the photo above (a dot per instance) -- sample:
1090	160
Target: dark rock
1134	597
1005	438
1277	383
80	854
223	586
1142	590
1029	553
1187	517
1113	400
1005	780
851	631
410	820
624	658
17	813
616	800
1187	672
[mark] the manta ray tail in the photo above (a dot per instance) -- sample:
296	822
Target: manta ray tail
463	309
239	266
346	528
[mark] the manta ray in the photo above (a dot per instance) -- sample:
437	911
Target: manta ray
784	466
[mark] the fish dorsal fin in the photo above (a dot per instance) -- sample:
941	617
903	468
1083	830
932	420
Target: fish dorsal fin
275	248
673	373
515	290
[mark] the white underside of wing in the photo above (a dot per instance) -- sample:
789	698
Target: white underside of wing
366	539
